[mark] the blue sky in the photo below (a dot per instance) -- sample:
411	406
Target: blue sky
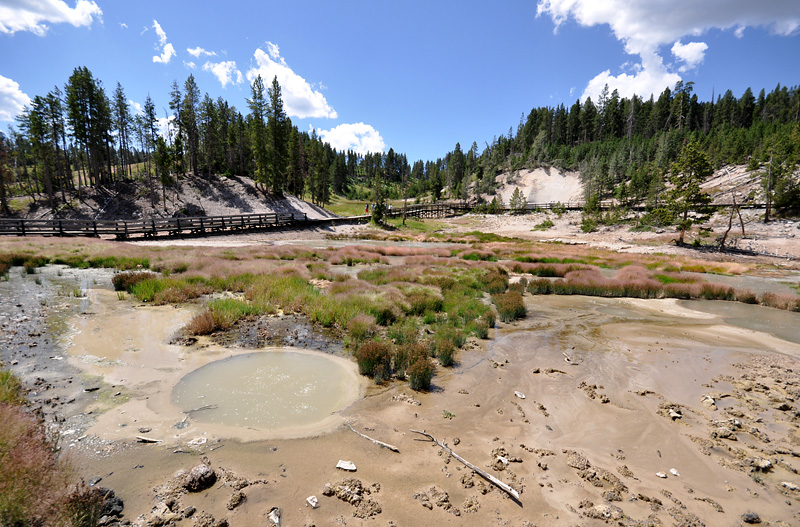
415	76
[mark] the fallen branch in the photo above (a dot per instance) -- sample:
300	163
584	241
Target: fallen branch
379	443
143	439
511	492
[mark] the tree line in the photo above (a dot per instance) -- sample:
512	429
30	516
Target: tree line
79	137
624	148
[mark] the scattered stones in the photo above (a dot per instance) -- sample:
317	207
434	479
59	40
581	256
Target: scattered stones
605	512
471	504
402	397
352	491
591	392
717	506
440	498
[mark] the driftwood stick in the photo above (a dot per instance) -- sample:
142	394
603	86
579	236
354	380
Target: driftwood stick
511	492
379	443
143	439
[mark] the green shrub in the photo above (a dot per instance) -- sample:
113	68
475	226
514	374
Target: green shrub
374	357
420	374
588	224
361	327
543	226
125	280
445	352
541	286
510	306
406	354
495	282
481	329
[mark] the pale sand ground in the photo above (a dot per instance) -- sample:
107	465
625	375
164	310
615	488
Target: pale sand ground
639	355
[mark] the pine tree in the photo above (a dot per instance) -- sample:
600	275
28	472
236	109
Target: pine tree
259	113
278	132
518	202
684	197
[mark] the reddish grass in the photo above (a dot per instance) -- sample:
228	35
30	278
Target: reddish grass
32	479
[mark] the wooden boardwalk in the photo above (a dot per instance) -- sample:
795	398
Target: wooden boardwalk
209	225
124	229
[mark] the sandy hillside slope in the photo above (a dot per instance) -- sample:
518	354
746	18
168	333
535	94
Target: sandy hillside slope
541	185
193	196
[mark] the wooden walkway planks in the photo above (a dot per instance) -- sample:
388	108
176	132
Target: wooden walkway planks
124	229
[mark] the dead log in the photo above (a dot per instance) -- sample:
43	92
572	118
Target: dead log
379	443
485	475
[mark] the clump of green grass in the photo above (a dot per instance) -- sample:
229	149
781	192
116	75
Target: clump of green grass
125	280
543	226
10	389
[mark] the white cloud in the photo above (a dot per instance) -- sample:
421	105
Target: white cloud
123	25
274	51
643	26
136	106
168	50
198	51
12	99
32	15
650	77
225	72
691	54
191	65
360	137
299	98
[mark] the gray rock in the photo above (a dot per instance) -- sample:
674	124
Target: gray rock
199	478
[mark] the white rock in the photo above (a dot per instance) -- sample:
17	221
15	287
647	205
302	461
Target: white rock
197	441
346	465
520	395
789	485
312	500
661	475
673	472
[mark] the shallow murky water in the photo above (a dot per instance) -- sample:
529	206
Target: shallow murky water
782	324
266	390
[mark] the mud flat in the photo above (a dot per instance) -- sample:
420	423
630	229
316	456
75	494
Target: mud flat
595	410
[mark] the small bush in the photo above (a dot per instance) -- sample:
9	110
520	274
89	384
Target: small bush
125	280
546	224
405	355
481	329
361	327
541	286
201	324
371	355
420	374
746	296
588	224
495	282
445	352
510	306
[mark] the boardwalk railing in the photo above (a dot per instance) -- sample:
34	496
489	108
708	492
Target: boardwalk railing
123	229
205	225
